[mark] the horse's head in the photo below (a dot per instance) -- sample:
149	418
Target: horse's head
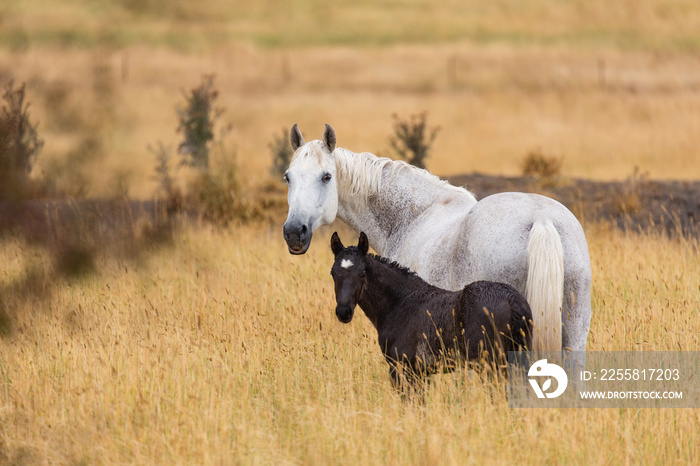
313	189
349	274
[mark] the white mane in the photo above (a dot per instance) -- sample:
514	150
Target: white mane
361	174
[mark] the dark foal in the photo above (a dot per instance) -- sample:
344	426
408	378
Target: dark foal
420	325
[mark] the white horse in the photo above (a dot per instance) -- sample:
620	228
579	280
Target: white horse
441	232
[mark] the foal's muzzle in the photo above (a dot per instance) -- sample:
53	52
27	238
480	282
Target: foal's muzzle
344	313
297	236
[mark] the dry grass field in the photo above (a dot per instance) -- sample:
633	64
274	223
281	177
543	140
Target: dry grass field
224	349
217	346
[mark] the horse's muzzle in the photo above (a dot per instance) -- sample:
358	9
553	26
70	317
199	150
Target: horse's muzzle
298	237
344	313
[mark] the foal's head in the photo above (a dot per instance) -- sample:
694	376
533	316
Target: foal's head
349	274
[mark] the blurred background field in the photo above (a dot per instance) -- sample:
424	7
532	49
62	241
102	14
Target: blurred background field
605	87
125	339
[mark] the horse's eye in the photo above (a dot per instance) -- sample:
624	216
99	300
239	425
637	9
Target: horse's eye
286	177
364	274
326	178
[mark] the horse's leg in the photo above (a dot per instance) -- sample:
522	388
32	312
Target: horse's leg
401	377
395	376
576	310
576	318
416	375
408	378
401	380
418	380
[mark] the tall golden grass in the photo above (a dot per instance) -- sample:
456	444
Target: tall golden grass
225	349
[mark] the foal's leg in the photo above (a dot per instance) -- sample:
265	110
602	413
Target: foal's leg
407	378
401	378
395	376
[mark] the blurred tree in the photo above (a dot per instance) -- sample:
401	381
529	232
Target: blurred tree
412	138
197	119
19	144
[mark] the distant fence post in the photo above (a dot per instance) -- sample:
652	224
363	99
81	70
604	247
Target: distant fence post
452	70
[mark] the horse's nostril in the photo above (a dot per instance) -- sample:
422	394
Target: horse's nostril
344	314
297	236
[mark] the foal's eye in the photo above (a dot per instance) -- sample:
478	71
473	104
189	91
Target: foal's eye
363	274
326	178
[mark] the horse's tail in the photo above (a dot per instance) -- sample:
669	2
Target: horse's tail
545	285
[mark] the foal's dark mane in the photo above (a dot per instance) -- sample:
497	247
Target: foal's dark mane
394	265
383	260
405	271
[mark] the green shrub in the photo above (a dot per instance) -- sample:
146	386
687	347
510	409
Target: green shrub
197	119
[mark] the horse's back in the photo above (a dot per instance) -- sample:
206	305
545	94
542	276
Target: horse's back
495	233
456	244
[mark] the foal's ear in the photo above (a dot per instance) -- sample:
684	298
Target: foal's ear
329	138
363	245
336	244
295	138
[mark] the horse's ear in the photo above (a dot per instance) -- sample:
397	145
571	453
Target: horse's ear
363	245
336	244
329	138
295	138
